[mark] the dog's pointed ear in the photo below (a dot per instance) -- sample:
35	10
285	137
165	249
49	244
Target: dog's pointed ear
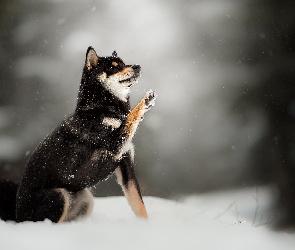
91	58
114	54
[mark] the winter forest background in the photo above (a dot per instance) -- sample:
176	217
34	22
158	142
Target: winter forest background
223	70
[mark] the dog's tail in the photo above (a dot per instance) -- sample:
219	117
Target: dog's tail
8	190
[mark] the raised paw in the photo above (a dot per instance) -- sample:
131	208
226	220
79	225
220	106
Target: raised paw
150	99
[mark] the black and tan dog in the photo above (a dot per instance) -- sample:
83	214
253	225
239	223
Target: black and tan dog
86	147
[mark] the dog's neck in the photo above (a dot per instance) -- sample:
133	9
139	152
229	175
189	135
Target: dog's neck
97	97
119	90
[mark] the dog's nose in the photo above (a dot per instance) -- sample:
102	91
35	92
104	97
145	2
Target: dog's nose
136	68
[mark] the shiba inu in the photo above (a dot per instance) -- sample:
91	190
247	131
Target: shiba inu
87	147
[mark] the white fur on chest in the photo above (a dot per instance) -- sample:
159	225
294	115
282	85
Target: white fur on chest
111	122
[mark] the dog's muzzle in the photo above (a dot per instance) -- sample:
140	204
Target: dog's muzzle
136	74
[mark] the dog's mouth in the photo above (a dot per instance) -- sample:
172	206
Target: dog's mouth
134	78
129	81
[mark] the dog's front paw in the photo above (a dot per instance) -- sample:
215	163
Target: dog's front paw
150	99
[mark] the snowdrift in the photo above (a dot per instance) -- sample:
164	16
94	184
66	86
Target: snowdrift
196	222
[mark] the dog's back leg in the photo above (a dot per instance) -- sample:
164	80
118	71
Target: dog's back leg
52	204
57	205
81	205
127	179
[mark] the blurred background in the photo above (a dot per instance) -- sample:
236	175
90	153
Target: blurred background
223	70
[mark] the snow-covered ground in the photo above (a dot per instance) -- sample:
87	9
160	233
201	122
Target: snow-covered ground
224	220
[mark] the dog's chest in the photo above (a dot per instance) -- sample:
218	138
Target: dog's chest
111	122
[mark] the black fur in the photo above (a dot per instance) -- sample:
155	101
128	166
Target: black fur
81	151
8	191
127	171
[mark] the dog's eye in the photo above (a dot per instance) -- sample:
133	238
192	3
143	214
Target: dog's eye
114	64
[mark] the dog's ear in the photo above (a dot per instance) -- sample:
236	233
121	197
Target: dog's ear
114	54
91	58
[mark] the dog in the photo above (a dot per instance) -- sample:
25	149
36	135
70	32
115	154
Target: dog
86	148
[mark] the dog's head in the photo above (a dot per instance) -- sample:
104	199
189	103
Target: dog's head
112	73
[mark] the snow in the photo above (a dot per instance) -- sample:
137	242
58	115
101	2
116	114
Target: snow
196	222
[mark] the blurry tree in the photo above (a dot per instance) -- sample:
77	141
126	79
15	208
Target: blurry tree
273	29
253	42
9	19
26	110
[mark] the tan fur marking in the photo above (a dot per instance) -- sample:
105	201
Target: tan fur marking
115	64
125	72
119	176
132	196
90	202
103	76
96	155
135	201
132	122
84	196
66	197
134	118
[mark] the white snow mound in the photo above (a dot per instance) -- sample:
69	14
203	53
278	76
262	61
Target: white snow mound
171	225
